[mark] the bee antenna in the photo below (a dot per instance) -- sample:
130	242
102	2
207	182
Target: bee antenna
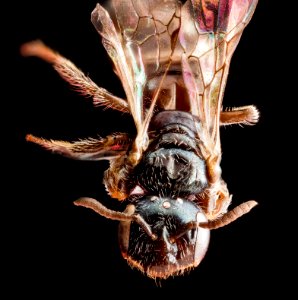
115	215
230	216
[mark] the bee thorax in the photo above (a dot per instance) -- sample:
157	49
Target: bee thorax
172	164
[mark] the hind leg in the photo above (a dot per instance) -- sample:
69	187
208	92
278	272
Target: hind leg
74	76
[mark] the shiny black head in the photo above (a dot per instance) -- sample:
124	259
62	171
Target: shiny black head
180	242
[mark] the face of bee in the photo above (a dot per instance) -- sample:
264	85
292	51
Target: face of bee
178	246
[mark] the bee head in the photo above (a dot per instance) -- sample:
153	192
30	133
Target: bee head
179	244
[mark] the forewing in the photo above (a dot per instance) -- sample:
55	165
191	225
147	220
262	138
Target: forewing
140	37
131	74
210	31
160	46
152	27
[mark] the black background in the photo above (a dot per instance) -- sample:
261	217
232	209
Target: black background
60	248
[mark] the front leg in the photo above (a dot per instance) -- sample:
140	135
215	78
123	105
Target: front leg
247	115
117	178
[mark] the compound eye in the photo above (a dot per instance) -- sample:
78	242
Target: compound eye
202	239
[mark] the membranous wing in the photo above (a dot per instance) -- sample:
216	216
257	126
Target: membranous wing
210	31
170	55
140	37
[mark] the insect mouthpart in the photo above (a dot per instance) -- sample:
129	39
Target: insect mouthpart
179	244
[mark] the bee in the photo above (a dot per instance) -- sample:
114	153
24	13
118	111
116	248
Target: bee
172	59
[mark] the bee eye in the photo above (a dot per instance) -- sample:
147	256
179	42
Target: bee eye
179	200
166	204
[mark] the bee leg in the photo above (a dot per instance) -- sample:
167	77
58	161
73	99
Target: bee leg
219	200
230	216
107	148
115	215
247	115
75	77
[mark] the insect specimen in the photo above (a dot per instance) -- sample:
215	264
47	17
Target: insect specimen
173	60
